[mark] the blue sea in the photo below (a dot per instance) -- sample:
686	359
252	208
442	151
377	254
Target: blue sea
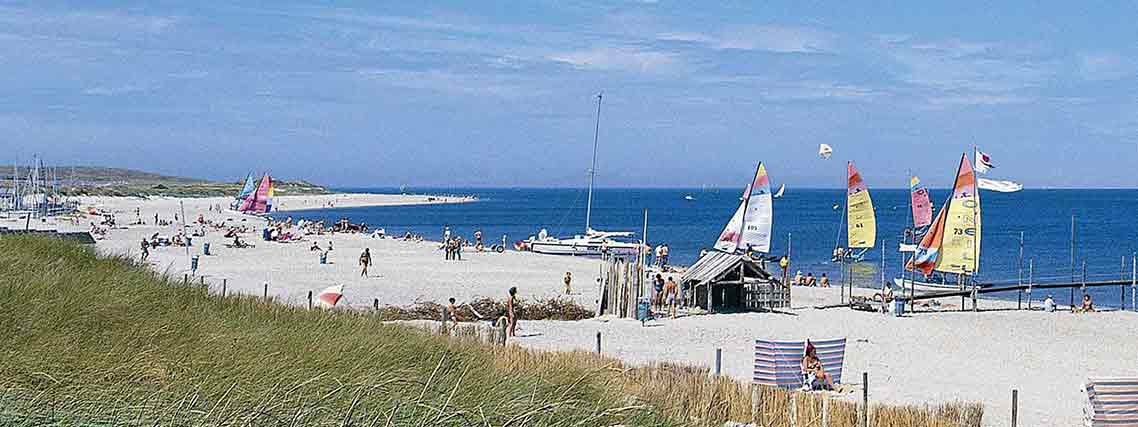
1106	230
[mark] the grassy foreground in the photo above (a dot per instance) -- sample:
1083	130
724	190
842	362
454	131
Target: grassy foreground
88	340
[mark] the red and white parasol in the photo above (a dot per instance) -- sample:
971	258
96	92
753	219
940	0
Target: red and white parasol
330	296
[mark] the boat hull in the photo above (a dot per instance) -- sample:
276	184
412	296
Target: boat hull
924	286
581	248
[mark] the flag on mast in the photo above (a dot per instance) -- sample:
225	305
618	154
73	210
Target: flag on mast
983	162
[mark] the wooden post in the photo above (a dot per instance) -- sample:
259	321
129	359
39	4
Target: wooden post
1015	406
266	291
1122	287
825	410
865	399
1083	288
793	409
502	332
202	280
375	304
310	300
185	280
598	342
756	409
1019	301
1072	258
718	361
1134	282
224	284
1030	280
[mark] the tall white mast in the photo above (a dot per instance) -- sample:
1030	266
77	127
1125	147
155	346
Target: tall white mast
593	168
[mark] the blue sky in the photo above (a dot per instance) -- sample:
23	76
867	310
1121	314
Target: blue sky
502	93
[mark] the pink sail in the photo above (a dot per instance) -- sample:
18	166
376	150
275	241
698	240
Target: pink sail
922	207
259	200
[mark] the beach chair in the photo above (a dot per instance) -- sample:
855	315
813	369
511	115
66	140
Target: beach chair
779	363
1112	401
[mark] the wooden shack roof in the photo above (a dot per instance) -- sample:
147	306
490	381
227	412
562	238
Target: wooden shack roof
715	265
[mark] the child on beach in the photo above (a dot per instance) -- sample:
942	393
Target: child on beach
451	314
365	261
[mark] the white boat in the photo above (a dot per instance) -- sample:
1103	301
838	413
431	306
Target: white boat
689	197
922	285
593	242
781	189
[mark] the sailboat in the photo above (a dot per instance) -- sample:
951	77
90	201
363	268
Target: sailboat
952	244
861	222
781	189
749	229
261	200
922	212
593	242
246	190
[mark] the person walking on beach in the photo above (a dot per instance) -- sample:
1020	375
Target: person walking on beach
477	237
511	314
670	291
145	249
457	249
446	233
365	262
568	283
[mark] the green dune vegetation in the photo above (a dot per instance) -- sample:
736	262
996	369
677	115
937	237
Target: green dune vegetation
101	340
102	181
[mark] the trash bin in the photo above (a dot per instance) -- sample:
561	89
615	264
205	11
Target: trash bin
642	309
266	234
189	241
899	306
205	248
194	264
323	257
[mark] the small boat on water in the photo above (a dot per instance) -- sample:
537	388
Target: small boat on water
781	189
952	244
593	242
859	218
689	198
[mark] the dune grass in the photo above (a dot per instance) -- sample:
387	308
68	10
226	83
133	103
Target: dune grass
90	340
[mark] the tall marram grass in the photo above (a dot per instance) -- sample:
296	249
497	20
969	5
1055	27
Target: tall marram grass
88	340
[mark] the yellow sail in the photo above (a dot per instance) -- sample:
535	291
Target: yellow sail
960	250
861	224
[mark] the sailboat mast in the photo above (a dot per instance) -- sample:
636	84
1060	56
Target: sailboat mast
593	167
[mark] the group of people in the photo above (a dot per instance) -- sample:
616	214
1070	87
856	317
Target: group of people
1087	306
810	280
666	294
453	249
451	315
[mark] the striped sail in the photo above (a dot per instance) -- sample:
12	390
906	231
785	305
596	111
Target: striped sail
250	185
757	218
733	231
960	249
928	250
259	200
861	224
922	208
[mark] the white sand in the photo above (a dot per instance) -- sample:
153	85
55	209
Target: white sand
927	358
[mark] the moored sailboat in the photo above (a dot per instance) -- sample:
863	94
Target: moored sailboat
952	244
859	217
593	242
749	229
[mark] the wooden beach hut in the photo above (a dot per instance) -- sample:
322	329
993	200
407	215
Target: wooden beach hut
721	281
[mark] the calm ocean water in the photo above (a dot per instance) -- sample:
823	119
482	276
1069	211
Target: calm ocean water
1105	228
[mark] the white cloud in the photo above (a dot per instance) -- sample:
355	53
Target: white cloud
768	38
620	59
1106	66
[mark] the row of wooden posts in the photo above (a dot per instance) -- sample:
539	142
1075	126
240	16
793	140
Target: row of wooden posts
499	337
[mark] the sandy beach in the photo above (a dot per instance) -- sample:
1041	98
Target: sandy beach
924	358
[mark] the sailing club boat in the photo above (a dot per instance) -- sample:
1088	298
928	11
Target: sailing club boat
260	201
750	228
861	222
593	242
952	244
246	190
922	213
781	189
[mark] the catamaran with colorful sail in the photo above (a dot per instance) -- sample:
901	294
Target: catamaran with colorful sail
922	213
952	244
246	190
260	201
749	229
859	217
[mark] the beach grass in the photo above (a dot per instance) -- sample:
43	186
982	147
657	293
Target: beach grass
97	340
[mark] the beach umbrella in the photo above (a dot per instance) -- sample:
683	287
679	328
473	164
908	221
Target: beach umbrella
330	296
825	151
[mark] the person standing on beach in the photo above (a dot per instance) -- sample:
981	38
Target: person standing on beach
670	290
660	256
145	249
665	250
446	233
450	313
511	315
568	283
658	288
365	262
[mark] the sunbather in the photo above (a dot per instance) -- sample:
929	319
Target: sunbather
813	371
